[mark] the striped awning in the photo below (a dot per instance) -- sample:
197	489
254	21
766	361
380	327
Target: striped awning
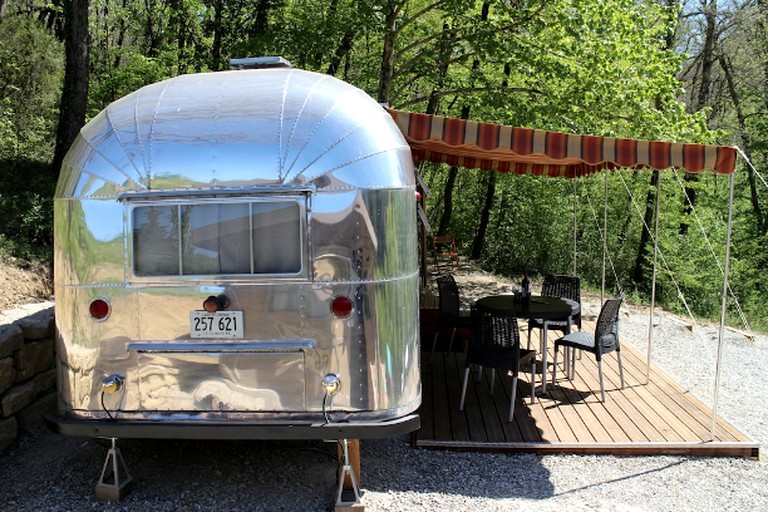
524	151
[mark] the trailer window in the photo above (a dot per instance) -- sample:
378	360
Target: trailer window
218	238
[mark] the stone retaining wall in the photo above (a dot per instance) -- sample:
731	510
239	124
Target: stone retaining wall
27	369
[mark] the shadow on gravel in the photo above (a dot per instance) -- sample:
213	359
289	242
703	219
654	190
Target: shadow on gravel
45	471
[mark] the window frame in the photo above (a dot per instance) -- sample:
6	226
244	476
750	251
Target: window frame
164	199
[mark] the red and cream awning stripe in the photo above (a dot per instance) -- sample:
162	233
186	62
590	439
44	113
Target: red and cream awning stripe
524	151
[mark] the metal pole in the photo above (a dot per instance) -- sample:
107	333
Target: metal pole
575	232
605	236
653	281
722	311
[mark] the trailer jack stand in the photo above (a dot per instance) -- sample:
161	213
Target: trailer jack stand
115	482
348	496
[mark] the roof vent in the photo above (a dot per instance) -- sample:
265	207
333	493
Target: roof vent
259	63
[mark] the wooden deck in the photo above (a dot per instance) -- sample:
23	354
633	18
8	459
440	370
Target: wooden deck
642	419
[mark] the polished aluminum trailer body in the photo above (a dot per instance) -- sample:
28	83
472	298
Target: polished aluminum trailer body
289	198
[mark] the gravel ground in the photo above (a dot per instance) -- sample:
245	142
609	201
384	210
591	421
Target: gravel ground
46	472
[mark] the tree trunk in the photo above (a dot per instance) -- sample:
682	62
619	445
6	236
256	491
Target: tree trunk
641	260
447	39
388	53
445	218
120	40
341	51
746	144
485	216
762	18
638	271
218	7
179	21
709	9
74	94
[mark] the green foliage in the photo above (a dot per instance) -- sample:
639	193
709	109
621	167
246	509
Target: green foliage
137	72
26	226
31	66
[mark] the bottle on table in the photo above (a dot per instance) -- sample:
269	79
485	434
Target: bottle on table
525	291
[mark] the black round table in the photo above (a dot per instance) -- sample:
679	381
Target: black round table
546	308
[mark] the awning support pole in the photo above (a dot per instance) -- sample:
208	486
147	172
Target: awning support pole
723	309
575	232
653	280
605	236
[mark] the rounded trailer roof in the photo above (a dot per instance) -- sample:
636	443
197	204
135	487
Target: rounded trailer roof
245	128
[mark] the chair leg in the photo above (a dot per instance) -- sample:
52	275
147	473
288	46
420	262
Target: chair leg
464	388
554	367
573	353
493	378
529	337
533	380
600	372
621	368
450	343
512	400
434	344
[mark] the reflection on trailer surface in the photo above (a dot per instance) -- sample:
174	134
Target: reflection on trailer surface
235	257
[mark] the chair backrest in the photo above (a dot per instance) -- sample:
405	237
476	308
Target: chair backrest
495	327
495	339
449	300
607	328
568	287
444	243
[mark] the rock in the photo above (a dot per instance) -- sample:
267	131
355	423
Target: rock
21	395
7	374
38	325
9	431
33	358
32	416
11	339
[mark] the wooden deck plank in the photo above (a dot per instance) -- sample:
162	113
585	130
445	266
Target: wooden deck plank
647	404
522	427
479	413
586	381
607	418
687	424
441	418
459	422
701	415
660	417
427	409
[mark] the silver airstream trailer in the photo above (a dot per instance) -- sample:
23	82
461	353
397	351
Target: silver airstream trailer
236	258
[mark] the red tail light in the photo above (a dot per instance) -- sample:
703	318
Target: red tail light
216	303
99	309
341	306
210	304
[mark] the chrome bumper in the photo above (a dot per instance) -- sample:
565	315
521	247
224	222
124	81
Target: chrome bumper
230	430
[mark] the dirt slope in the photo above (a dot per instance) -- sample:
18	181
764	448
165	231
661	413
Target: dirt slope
22	283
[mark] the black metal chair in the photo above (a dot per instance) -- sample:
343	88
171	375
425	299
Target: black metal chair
495	344
563	287
449	308
603	341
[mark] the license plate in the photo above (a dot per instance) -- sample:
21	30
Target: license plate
221	324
